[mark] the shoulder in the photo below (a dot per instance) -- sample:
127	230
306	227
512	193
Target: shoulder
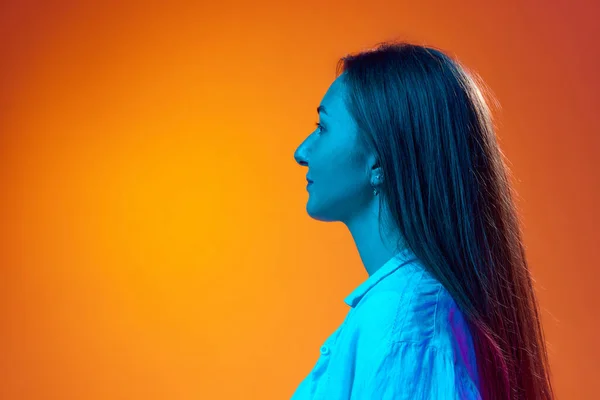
412	306
404	307
412	323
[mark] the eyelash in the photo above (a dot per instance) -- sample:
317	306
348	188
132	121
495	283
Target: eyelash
318	125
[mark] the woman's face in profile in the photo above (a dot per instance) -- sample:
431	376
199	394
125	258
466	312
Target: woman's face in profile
336	163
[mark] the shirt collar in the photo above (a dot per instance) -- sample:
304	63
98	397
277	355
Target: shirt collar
398	260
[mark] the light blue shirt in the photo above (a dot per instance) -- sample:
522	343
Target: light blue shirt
404	337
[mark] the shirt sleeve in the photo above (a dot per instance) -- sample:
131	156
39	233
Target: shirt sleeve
411	370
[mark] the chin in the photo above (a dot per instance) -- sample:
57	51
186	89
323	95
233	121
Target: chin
318	215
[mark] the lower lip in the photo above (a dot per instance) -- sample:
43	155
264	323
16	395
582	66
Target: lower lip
308	184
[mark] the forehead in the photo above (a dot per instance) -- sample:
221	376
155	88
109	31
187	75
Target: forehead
333	101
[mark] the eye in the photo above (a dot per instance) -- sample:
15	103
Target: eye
318	125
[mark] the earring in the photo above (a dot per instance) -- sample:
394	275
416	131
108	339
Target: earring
375	191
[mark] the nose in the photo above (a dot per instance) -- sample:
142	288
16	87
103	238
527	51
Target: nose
300	155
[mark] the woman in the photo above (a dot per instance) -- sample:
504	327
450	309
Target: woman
405	155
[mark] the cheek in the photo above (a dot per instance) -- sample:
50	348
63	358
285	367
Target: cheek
357	163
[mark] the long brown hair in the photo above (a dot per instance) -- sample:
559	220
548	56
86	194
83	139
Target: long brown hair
447	187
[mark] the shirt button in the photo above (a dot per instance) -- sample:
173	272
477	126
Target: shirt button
324	350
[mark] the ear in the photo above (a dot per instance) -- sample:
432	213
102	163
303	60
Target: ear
375	171
377	176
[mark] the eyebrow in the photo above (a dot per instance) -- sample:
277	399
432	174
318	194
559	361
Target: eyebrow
321	109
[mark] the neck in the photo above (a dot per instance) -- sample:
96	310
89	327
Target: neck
374	249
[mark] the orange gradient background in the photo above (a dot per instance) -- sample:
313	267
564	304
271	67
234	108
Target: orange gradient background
155	242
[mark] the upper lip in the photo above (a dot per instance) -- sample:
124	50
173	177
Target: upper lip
308	179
